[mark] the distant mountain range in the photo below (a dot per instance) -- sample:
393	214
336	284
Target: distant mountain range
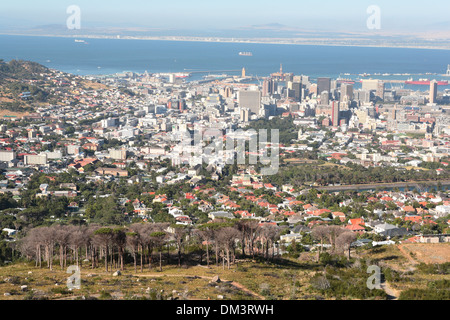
265	33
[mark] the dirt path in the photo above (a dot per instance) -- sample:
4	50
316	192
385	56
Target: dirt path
233	283
392	293
408	256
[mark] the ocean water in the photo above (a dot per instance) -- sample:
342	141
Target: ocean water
108	56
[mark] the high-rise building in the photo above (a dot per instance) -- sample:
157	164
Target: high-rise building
335	113
266	88
346	92
324	98
270	86
380	90
245	114
273	86
393	113
250	99
370	85
323	84
228	92
433	91
182	105
313	89
288	77
362	96
297	87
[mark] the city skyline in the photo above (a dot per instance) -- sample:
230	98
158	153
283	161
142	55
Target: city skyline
200	151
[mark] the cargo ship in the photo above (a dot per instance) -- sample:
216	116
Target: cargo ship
347	81
182	75
425	82
246	54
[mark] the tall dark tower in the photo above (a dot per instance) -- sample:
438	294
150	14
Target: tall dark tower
323	84
335	113
297	87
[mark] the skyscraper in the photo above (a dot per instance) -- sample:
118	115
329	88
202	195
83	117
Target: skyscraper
228	92
323	84
433	91
346	92
297	87
266	88
324	98
335	113
380	90
250	99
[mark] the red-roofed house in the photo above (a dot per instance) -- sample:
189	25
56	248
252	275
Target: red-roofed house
355	228
357	222
339	215
409	209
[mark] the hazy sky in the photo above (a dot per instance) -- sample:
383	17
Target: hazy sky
214	14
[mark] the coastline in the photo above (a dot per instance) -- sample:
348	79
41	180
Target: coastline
271	41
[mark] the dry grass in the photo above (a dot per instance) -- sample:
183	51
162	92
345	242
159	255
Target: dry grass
12	114
429	253
246	281
399	260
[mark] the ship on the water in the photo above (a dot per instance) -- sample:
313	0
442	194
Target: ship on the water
246	54
182	75
425	82
347	81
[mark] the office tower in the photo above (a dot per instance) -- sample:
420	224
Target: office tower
324	98
245	114
273	86
305	80
393	114
433	91
346	92
335	113
182	105
370	85
380	90
266	88
289	85
290	93
288	77
297	87
313	89
323	84
250	99
362	96
334	85
227	92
